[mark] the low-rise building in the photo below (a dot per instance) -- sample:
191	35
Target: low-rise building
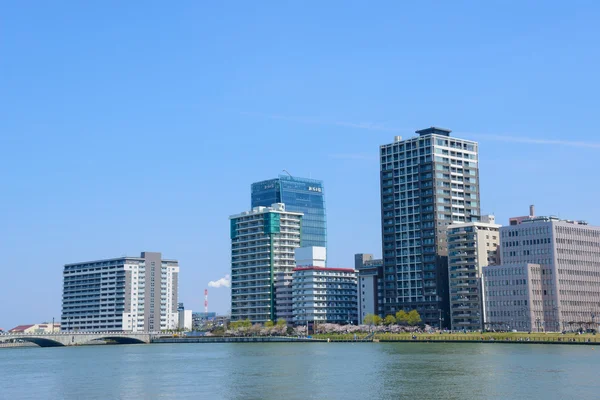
568	255
201	319
324	295
185	321
44	327
513	297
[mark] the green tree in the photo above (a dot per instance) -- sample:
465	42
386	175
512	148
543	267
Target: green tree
402	317
414	318
281	322
372	319
218	331
246	323
389	320
269	324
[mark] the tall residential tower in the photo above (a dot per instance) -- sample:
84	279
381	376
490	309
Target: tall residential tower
262	249
427	182
299	195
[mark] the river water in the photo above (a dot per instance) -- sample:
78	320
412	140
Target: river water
302	371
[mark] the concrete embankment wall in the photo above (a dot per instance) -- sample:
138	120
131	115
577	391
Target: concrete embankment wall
234	340
26	344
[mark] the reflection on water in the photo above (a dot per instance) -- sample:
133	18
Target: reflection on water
302	371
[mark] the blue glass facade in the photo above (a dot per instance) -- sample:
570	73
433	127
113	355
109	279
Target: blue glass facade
301	195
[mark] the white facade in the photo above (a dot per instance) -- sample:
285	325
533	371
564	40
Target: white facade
136	294
370	286
311	256
471	246
185	320
569	255
324	295
283	296
262	247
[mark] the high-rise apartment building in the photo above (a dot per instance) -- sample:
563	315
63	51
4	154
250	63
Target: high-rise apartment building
121	294
427	182
471	246
262	247
568	253
303	195
370	285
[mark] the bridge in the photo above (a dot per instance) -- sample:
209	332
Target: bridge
79	338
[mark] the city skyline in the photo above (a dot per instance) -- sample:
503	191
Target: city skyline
156	145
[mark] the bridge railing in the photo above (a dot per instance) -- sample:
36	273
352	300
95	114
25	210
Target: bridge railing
69	333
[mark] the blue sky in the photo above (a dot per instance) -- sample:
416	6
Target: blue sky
139	126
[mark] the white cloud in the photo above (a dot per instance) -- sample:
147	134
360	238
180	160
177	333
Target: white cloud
380	127
223	282
308	120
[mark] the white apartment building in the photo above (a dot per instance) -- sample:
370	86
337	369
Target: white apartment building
324	295
263	241
136	294
185	322
471	246
304	256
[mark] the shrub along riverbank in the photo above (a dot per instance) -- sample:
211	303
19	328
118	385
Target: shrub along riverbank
466	337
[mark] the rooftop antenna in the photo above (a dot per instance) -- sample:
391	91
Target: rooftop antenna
286	171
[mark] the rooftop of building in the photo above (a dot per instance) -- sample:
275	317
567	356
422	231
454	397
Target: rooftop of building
313	268
552	218
287	177
434	130
275	208
122	258
532	218
373	263
21	328
488	221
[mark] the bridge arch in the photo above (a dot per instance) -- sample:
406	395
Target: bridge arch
42	342
122	339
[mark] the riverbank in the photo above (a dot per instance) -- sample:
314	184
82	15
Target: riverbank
508	338
246	339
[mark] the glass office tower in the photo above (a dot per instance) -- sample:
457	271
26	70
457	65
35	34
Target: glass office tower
299	195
